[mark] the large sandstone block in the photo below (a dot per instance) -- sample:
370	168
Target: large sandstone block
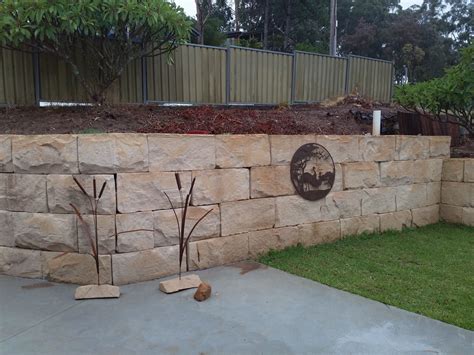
146	191
20	262
266	181
413	147
433	193
342	148
427	170
235	151
166	230
395	220
338	179
134	241
6	160
3	191
221	251
425	215
62	191
106	234
469	170
342	204
373	148
440	147
283	147
318	233
411	196
457	193
45	231
294	210
220	185
451	214
7	239
378	200
396	173
468	216
246	216
175	152
26	193
46	154
361	175
76	268
359	225
453	170
112	153
261	242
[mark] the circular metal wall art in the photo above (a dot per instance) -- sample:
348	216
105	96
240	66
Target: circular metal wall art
312	171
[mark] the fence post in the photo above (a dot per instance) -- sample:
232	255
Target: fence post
36	77
293	79
392	82
348	68
227	74
144	80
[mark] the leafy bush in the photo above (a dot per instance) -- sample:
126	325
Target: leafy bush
447	99
108	34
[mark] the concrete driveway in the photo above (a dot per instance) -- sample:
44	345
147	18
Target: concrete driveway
252	310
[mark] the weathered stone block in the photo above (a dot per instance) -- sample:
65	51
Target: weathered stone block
46	154
377	148
221	251
318	233
106	232
283	147
268	181
246	216
457	193
3	191
87	292
112	153
451	214
468	216
181	152
134	241
166	230
220	185
440	147
413	147
453	170
294	210
179	284
235	151
342	204
395	220
360	175
338	179
261	242
20	262
6	160
427	170
425	215
433	193
359	225
469	170
26	193
341	148
411	196
75	268
7	239
396	173
45	231
62	191
379	200
145	192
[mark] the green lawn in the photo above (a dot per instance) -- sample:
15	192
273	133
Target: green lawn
429	270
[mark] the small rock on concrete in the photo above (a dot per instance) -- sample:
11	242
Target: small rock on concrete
175	285
203	292
97	291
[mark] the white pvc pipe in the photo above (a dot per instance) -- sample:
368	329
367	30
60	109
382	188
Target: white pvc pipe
377	118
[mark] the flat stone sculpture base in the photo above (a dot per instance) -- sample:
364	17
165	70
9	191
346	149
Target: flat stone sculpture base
175	285
97	291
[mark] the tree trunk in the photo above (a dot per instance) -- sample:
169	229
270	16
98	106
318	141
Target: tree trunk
286	40
200	21
265	24
236	13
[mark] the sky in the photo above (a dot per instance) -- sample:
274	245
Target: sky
189	6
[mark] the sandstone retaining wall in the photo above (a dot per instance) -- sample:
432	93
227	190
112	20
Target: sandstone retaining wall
381	183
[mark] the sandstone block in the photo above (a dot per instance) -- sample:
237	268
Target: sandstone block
45	231
338	179
411	196
145	192
112	153
283	147
26	193
169	152
45	154
318	233
359	225
261	242
246	216
342	204
457	193
235	151
342	148
468	216
433	193
96	291
179	284
469	170
453	170
106	232
6	160
425	215
220	251
427	170
134	241
377	148
451	214
396	173
7	238
395	220
379	200
76	268
3	191
166	230
413	147
360	175
220	185
268	181
440	147
20	262
62	191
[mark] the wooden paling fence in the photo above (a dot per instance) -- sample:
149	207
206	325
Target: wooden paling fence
203	75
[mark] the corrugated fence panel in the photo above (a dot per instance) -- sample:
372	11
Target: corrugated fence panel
260	77
319	77
16	78
195	74
370	78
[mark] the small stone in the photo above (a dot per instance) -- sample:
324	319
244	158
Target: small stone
203	292
96	291
179	284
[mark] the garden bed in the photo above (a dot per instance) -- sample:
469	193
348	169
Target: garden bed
427	270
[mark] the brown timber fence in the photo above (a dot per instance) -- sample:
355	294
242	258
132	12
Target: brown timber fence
203	75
